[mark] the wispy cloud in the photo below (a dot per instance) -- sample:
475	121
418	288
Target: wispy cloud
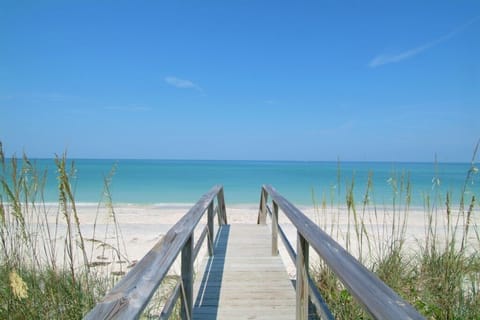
182	83
383	59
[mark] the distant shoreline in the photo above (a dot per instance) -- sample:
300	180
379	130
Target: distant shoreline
184	207
341	161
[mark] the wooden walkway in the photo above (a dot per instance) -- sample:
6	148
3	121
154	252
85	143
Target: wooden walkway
243	280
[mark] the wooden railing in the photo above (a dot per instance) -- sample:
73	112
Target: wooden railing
379	300
131	295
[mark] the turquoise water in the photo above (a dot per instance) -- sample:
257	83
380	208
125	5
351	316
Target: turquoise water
168	181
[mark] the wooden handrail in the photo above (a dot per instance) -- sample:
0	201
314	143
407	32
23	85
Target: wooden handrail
131	295
379	300
315	295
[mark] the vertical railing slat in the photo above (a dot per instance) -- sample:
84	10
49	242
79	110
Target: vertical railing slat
275	229
302	278
221	205
187	279
262	214
211	230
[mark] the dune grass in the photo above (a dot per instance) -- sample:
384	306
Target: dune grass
48	268
45	270
438	272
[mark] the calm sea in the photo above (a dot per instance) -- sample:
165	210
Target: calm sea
169	181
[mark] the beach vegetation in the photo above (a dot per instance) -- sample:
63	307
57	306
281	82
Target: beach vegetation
47	265
435	267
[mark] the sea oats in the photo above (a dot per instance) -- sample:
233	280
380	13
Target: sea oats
19	287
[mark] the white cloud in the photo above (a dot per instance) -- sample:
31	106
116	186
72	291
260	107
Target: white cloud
182	83
392	58
383	59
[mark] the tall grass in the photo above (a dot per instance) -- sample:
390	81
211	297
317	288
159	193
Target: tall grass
45	271
437	272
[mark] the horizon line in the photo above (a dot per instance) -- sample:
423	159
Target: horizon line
246	160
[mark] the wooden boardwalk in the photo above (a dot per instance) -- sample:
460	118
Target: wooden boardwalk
243	280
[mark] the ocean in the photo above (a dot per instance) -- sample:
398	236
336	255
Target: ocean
303	183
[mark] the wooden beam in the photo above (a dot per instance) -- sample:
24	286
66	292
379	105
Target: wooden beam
275	230
262	211
221	205
315	296
187	280
211	230
302	278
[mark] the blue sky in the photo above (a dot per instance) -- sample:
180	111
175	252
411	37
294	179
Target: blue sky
276	80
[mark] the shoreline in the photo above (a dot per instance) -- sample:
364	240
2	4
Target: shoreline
140	227
143	225
251	205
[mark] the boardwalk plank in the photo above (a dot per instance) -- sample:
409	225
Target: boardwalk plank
243	280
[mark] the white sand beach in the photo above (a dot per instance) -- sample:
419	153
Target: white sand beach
141	226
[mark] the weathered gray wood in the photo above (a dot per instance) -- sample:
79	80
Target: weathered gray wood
262	211
211	230
376	297
130	295
221	205
275	230
187	279
315	296
302	278
243	280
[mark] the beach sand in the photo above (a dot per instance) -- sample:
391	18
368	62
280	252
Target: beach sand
141	226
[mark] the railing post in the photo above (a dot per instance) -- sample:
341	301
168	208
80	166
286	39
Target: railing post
221	204
262	214
275	229
302	278
187	279
211	230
